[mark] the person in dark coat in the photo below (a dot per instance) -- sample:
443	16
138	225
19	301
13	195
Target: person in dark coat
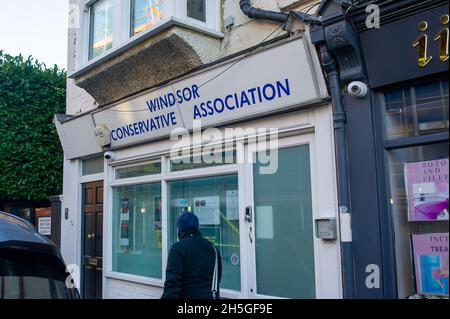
191	262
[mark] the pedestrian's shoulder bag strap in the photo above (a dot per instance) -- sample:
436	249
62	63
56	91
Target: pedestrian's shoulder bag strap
215	281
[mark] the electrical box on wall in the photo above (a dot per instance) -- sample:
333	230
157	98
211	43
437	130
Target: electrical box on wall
326	228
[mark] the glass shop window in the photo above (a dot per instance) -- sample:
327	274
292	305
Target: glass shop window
139	170
417	110
419	190
203	160
92	166
137	233
215	202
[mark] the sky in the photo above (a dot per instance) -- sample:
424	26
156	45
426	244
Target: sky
35	27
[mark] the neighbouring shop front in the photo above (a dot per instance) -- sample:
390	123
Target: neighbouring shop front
260	176
411	112
397	140
406	122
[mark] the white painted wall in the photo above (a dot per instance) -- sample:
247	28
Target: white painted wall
70	237
77	99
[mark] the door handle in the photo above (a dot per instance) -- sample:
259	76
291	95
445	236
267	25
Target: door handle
249	214
250	235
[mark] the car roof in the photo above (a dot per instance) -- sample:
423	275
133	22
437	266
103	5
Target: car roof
16	232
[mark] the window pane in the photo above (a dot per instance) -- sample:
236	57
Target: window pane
215	202
417	110
284	226
100	34
145	14
137	230
196	9
92	166
26	275
199	161
399	208
141	170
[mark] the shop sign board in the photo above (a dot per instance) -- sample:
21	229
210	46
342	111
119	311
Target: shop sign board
251	85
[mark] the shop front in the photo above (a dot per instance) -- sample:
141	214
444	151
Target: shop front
389	61
410	106
246	147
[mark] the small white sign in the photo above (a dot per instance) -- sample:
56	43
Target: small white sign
264	226
45	225
232	201
207	210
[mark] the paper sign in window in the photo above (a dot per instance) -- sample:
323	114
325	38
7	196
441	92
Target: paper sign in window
207	210
232	202
264	222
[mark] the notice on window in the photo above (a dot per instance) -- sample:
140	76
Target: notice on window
427	190
431	263
232	202
264	226
45	225
207	210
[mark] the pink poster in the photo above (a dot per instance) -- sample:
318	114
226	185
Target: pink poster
427	190
431	263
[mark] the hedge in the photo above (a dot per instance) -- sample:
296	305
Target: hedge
31	158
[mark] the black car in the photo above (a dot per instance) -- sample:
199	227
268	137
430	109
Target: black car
31	266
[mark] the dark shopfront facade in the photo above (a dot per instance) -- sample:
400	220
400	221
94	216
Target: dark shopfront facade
400	127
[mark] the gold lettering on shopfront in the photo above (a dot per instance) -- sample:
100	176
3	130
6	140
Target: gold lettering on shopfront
442	37
421	43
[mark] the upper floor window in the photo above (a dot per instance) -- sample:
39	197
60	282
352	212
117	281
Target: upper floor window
145	14
196	9
101	27
111	24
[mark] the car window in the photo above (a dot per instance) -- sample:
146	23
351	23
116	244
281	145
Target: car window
33	276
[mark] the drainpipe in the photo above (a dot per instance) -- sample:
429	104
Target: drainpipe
339	119
255	13
335	85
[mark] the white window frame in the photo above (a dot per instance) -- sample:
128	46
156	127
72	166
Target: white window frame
114	183
122	39
163	178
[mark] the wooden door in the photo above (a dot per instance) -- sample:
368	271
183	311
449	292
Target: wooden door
92	240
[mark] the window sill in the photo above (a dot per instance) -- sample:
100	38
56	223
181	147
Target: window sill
135	279
134	40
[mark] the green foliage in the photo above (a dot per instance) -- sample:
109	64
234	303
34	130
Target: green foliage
31	158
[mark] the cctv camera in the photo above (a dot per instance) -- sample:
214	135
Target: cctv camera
357	89
109	155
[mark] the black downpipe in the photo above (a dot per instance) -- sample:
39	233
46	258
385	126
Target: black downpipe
339	119
255	13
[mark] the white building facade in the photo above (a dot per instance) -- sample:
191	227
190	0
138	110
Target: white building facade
248	105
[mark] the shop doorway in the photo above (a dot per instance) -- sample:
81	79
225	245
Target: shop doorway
285	259
92	234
